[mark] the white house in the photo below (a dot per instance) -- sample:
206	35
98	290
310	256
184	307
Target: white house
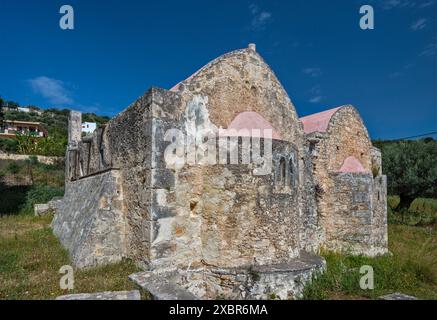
89	127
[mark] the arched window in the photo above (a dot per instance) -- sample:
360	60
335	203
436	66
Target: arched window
292	173
282	172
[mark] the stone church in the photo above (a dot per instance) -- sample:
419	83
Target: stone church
243	217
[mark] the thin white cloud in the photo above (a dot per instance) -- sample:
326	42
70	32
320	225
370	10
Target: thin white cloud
430	50
426	4
395	4
316	94
400	73
400	4
51	89
312	72
395	75
316	99
259	17
419	24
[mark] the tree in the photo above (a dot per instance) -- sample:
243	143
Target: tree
26	143
411	169
1	111
12	104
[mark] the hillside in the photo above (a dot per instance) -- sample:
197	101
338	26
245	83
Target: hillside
55	121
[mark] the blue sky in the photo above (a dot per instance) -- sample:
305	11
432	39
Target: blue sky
119	49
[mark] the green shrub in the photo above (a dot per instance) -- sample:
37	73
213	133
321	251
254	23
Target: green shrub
12	199
425	211
422	212
424	205
8	145
393	202
411	169
40	194
13	167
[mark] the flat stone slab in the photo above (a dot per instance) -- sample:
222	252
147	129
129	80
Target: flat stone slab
397	296
160	288
41	209
106	295
305	261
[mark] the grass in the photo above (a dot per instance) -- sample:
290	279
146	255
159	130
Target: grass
30	259
411	269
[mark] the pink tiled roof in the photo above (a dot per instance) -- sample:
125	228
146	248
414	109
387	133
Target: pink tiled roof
352	164
318	122
251	121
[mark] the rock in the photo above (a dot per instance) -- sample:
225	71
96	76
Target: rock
160	288
107	295
397	296
42	209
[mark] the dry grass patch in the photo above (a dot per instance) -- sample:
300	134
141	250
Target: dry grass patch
30	258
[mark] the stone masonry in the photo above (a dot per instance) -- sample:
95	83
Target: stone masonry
217	187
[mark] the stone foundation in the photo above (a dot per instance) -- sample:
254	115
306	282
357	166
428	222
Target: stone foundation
280	281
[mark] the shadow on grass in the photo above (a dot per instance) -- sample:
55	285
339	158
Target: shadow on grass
12	199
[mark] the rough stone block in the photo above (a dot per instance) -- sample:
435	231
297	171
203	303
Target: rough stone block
160	288
397	296
42	209
106	295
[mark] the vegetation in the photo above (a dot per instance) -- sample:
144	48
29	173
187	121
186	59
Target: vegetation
410	269
39	194
422	212
47	146
411	169
54	120
28	182
8	145
1	111
30	259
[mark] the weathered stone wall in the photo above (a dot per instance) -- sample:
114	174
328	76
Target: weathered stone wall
221	214
132	142
241	81
224	215
376	157
350	218
43	159
90	220
379	222
358	217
